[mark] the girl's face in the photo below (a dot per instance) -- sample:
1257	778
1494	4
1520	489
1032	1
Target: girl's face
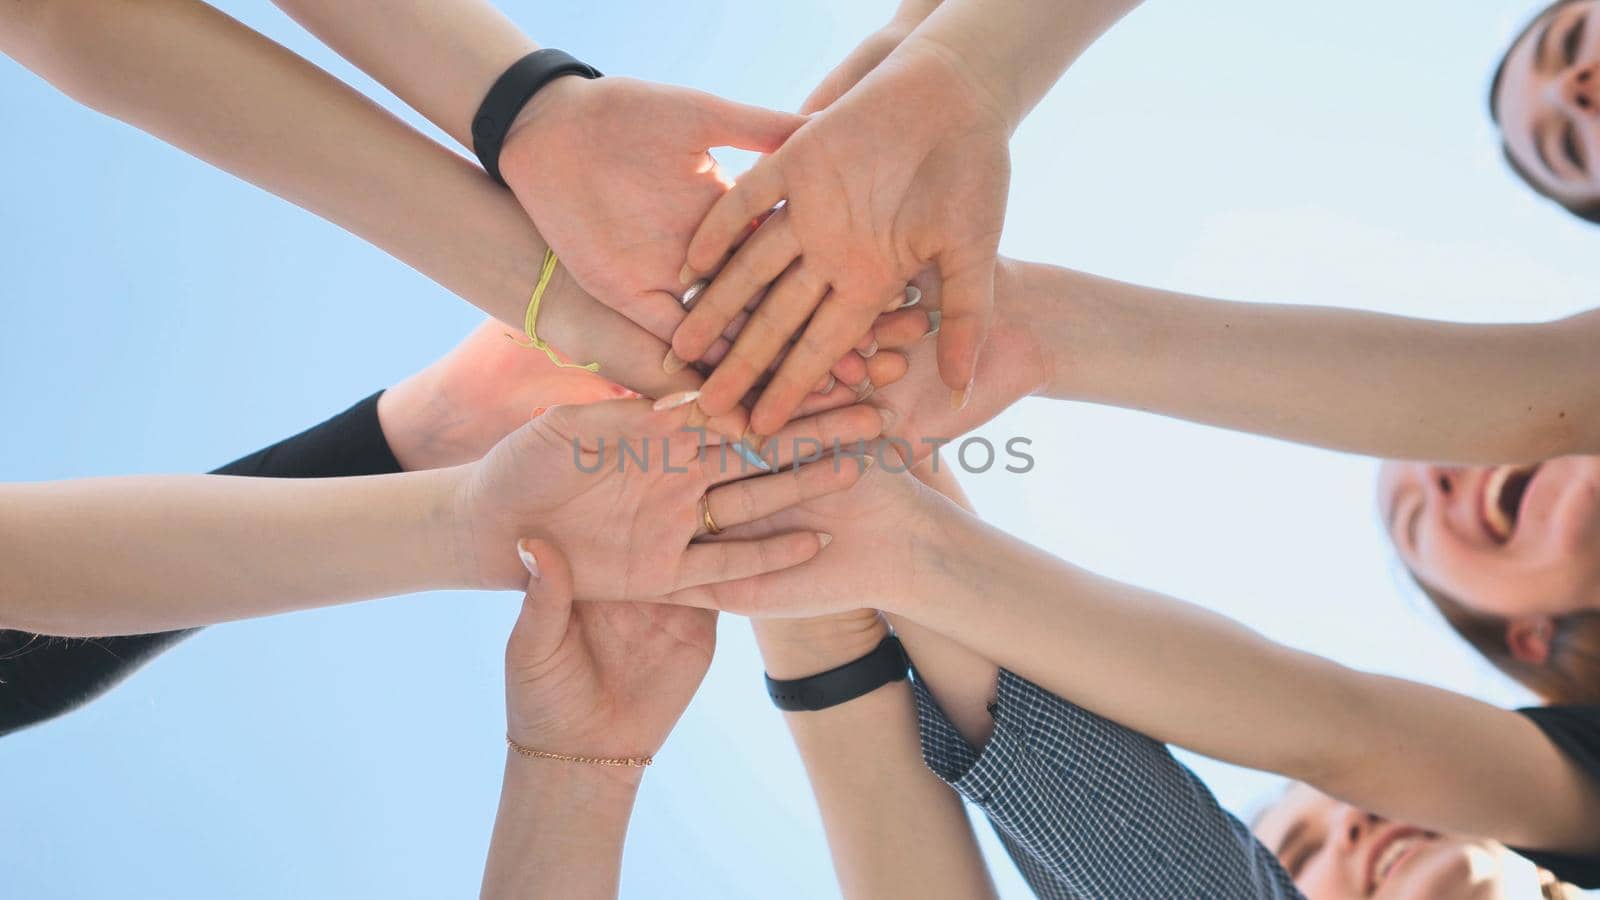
1549	102
1509	541
1337	852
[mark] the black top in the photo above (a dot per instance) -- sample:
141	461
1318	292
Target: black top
1576	730
44	677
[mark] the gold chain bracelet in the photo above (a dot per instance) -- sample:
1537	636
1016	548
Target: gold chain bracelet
630	762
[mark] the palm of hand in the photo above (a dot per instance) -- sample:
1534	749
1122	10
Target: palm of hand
565	476
617	682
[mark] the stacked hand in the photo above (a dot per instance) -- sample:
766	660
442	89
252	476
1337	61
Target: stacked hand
908	169
599	679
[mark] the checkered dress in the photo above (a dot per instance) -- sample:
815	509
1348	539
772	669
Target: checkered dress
1090	810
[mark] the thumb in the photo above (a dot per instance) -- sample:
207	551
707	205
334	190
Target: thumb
968	296
546	608
725	123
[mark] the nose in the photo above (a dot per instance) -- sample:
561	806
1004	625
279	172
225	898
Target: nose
1449	489
1348	833
1580	89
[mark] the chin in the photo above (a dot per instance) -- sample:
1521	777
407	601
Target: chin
1448	869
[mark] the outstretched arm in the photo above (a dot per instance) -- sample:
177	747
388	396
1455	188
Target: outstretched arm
1186	676
1357	381
893	828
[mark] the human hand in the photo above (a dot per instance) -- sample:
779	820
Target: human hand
615	173
908	169
618	485
885	552
598	679
1014	366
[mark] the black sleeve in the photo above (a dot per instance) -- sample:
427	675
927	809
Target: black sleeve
1576	730
44	677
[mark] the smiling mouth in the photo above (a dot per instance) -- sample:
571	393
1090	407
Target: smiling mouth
1501	504
1393	852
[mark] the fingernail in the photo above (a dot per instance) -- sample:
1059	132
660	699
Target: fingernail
871	351
686	275
913	296
528	561
672	364
889	418
829	386
863	390
751	457
960	399
868	462
758	442
824	538
693	292
673	401
935	317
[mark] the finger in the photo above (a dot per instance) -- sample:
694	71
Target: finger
585	330
805	440
657	312
833	330
756	264
839	396
731	560
756	192
968	299
901	329
756	498
546	607
788	305
725	123
886	368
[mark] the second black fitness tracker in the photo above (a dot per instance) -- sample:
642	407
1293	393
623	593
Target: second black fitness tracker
886	663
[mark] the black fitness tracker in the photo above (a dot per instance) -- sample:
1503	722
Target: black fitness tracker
511	93
886	663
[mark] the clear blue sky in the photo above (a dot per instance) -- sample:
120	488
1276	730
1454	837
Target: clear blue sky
161	317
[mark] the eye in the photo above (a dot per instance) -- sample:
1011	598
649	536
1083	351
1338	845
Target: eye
1574	41
1296	863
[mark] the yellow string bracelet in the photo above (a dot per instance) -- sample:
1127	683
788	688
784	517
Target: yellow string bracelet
531	318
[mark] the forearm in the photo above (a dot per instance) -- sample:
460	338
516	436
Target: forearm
1013	52
201	81
559	831
439	56
1348	380
1189	677
128	555
894	829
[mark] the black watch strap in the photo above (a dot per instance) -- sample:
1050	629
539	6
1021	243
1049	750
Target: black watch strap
511	93
886	663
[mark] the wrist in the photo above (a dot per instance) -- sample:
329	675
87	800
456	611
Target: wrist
581	784
554	101
485	559
799	648
967	92
1035	320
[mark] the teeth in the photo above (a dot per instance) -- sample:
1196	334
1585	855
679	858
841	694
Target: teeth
1500	512
1392	854
1494	516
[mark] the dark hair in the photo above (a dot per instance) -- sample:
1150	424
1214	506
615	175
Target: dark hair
1589	212
1571	674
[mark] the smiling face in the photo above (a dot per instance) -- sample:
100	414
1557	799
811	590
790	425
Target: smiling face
1337	852
1511	542
1547	102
